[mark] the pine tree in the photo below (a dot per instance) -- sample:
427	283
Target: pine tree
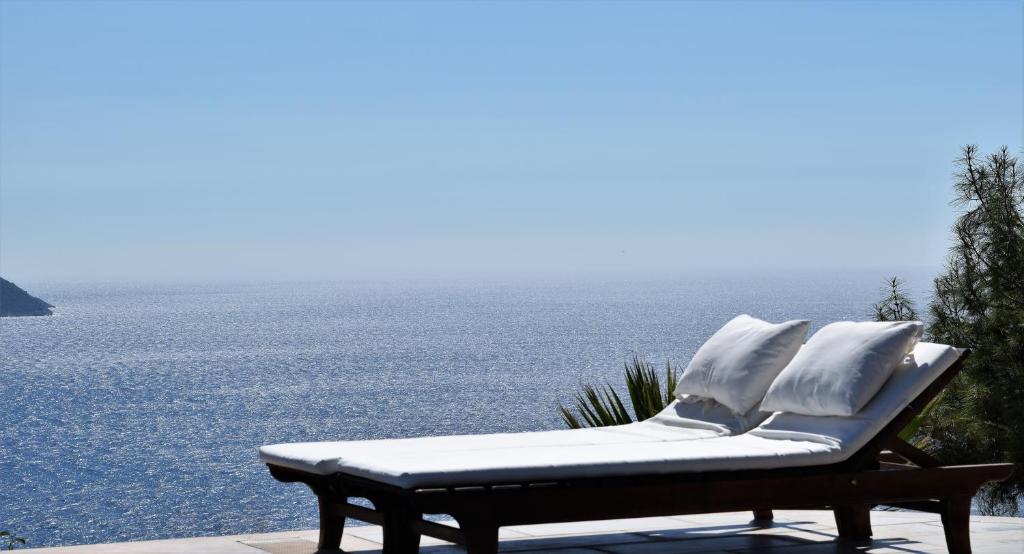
896	306
979	304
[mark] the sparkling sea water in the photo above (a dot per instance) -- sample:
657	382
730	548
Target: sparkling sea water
135	412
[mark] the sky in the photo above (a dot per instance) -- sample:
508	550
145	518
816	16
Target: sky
319	140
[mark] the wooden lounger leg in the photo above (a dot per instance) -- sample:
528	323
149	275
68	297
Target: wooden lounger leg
763	515
481	535
399	537
332	525
956	522
853	521
482	540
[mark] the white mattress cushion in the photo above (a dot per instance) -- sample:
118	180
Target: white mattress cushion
329	457
650	447
738	363
841	367
676	422
551	463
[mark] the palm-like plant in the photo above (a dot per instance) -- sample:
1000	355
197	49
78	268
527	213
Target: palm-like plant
602	406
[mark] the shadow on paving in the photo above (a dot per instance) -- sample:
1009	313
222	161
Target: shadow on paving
799	536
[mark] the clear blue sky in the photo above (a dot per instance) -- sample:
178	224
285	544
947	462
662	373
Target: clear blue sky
189	140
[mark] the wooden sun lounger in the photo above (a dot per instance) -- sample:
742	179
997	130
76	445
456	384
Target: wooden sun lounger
886	471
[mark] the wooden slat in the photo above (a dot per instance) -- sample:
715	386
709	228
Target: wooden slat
931	506
360	513
439	531
895	467
888	456
912	453
719	495
422	527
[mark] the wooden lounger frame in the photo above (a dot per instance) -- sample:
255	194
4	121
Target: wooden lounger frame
887	471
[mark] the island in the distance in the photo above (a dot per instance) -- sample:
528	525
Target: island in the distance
14	301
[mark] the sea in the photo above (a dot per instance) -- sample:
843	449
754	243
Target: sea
135	412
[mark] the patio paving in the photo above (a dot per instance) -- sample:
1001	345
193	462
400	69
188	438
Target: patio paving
803	532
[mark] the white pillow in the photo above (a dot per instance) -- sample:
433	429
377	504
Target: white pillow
842	367
738	363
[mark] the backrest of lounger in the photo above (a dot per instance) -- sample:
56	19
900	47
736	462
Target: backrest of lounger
923	366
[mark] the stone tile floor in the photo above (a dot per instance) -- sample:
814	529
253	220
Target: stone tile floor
802	532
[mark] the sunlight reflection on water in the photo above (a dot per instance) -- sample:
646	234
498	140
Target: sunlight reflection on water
135	412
